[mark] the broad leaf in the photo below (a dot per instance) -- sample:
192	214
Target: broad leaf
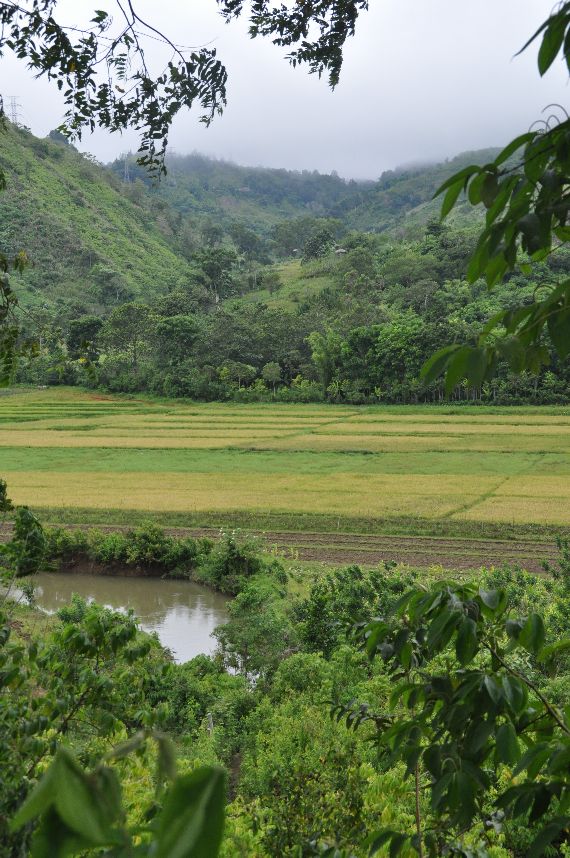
191	822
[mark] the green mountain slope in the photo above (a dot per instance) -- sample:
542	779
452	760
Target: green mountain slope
261	197
87	240
406	196
257	196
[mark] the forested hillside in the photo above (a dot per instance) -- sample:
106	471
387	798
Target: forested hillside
259	196
262	197
227	282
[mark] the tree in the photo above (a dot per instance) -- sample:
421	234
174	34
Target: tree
325	352
319	244
81	336
174	337
238	372
271	281
57	137
127	330
215	269
246	241
467	702
271	373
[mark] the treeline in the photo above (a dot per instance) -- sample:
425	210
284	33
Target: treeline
237	329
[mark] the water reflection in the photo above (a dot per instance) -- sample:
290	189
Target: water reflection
183	614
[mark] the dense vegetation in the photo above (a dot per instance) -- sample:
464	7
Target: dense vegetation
216	306
298	650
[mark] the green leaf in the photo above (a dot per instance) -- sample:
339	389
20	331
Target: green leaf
166	758
74	797
515	693
54	838
78	805
466	644
559	330
495	320
191	822
489	190
494	691
479	736
377	841
381	838
39	800
512	147
553	649
490	598
562	233
476	367
456	369
547	836
450	199
507	747
397	844
559	762
458	178
476	188
533	760
551	42
438	626
468	362
532	634
437	363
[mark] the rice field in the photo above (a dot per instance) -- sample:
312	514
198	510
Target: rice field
62	448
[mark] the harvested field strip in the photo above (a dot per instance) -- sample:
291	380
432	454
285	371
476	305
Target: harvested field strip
69	440
443	443
418	428
361	493
483	418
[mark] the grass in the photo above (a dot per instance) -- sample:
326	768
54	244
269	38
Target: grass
460	471
299	282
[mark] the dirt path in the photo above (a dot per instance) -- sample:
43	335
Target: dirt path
421	551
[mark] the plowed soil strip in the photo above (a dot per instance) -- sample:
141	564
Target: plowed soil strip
370	550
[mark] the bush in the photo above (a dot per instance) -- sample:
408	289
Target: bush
145	546
234	560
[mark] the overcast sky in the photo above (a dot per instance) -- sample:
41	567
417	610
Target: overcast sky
422	80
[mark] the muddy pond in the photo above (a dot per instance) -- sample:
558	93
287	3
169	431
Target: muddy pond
183	614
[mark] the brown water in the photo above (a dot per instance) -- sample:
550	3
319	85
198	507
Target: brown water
183	614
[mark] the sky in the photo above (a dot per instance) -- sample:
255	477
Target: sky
422	81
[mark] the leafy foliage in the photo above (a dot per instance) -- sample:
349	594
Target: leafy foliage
465	703
526	216
126	94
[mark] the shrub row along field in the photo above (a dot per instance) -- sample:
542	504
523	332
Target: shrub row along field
61	448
